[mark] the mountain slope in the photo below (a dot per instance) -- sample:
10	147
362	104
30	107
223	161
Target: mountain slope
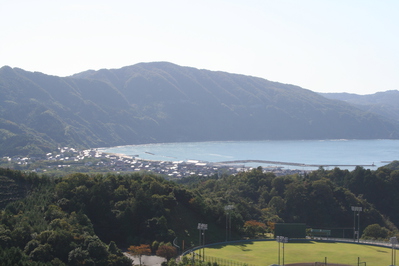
163	102
240	106
382	103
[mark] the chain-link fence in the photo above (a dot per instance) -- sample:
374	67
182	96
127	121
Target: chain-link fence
325	264
361	241
209	260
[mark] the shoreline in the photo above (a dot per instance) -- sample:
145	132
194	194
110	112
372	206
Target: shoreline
310	154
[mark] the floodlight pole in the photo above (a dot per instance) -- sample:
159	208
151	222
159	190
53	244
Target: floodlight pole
227	225
358	210
354	225
283	253
281	239
393	241
199	236
278	252
228	209
358	226
203	250
278	241
199	241
202	227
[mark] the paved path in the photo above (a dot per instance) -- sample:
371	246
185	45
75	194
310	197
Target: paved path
146	260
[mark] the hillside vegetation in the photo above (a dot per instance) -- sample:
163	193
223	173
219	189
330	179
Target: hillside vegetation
93	214
382	103
163	102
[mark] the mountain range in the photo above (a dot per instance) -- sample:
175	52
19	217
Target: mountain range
164	102
382	103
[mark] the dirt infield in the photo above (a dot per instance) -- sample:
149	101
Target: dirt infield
316	264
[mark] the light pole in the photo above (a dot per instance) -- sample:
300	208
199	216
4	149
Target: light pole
393	241
358	210
278	241
281	239
358	224
202	227
228	208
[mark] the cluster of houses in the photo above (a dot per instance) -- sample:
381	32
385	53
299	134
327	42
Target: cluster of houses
95	159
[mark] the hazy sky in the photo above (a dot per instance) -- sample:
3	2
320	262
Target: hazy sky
321	45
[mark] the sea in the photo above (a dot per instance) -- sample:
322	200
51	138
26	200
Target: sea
290	154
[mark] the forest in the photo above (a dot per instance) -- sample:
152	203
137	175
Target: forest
88	219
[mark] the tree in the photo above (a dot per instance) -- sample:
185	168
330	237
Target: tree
375	231
139	251
113	248
12	256
296	202
98	252
114	260
78	256
5	236
167	251
42	253
31	245
254	228
21	235
277	204
61	243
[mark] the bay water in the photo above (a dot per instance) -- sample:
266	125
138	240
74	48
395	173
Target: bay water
345	154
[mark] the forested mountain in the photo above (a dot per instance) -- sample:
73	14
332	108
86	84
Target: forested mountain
163	102
382	103
80	219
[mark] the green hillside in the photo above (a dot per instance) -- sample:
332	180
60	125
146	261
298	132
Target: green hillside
88	214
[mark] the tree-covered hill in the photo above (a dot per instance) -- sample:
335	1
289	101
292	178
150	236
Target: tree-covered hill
321	199
163	102
382	103
34	230
71	220
80	218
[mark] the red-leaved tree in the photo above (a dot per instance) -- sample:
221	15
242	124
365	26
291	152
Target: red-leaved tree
139	251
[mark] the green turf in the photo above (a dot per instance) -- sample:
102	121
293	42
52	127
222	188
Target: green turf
266	253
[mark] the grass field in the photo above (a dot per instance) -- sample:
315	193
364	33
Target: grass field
266	253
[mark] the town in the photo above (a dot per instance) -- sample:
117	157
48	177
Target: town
68	160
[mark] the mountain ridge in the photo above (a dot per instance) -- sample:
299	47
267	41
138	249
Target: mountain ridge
382	103
164	102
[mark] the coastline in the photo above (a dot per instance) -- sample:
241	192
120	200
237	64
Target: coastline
309	154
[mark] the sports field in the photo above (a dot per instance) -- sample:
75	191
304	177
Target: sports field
266	253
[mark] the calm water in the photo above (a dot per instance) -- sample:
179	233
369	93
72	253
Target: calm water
321	152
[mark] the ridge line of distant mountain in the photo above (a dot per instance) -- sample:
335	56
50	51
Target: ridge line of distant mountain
164	102
383	103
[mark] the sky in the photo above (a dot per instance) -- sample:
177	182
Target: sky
321	45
